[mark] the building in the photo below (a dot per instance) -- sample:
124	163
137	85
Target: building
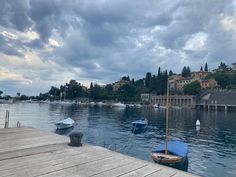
173	79
145	98
199	74
181	83
208	84
177	82
119	84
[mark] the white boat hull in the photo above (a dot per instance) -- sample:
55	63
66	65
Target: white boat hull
63	126
66	123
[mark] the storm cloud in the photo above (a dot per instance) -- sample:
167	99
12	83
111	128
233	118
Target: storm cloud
47	43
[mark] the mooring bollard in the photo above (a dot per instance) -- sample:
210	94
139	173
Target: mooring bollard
18	124
6	119
75	139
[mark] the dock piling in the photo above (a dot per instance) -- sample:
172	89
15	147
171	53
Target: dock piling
6	119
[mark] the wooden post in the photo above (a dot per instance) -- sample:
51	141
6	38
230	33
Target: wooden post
7	119
18	124
167	115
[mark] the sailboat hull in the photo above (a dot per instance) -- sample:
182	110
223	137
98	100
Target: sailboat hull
162	158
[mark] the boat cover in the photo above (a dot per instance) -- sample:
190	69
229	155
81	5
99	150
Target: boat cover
67	121
141	121
178	148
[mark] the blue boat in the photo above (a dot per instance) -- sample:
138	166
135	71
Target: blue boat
177	152
139	126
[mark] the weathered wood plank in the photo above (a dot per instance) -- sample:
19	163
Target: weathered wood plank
91	168
51	163
144	171
31	151
121	170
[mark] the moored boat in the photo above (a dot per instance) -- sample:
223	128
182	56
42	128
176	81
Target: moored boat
170	152
176	153
65	123
139	125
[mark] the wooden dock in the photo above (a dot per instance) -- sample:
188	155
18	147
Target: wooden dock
28	152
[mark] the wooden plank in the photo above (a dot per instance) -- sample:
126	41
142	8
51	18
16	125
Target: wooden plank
163	172
27	161
144	171
31	151
121	170
55	166
183	174
32	142
91	168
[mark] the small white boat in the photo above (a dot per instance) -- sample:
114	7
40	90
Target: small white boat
198	123
65	123
120	105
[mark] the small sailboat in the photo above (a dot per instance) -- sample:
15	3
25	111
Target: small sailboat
65	123
170	152
139	125
177	153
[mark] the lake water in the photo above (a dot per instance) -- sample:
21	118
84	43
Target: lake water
212	149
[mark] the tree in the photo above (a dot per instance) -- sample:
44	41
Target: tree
159	72
223	67
206	67
148	80
186	72
170	73
1	92
193	88
125	78
18	94
201	69
222	78
54	92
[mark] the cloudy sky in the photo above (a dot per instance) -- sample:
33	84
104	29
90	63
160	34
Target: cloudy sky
49	42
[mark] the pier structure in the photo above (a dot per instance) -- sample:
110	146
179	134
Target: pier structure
217	100
28	152
175	100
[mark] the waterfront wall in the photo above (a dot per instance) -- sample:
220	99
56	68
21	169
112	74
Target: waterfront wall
175	100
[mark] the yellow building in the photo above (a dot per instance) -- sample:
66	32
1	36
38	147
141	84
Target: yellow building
119	84
208	84
199	74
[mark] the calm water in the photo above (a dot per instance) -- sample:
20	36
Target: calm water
212	149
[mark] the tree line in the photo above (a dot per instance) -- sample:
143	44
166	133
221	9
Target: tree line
132	89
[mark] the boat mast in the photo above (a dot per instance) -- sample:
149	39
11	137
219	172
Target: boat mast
167	115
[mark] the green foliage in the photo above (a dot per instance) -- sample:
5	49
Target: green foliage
222	78
125	78
24	97
186	72
193	88
148	80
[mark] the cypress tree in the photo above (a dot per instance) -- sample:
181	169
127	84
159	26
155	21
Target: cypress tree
206	67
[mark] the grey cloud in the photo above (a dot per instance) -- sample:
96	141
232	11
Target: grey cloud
9	49
107	39
14	14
